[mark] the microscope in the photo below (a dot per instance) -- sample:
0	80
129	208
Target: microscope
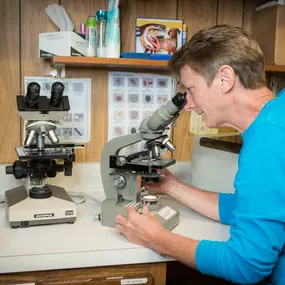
37	203
123	176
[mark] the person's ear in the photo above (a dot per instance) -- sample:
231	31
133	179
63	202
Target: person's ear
227	78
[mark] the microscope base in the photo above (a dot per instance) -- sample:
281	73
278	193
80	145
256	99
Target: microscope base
23	211
167	216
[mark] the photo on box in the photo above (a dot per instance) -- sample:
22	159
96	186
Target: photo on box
158	36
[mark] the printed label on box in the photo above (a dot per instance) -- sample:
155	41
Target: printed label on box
167	213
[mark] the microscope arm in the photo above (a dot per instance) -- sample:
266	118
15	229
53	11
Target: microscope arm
113	147
151	129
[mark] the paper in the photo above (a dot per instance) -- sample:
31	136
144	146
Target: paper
132	97
198	127
76	127
60	18
134	281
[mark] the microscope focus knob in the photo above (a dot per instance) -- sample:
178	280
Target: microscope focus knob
121	161
119	181
19	169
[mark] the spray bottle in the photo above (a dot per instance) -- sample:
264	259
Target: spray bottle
113	41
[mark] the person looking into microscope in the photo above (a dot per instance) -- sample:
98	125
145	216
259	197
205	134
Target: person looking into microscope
222	69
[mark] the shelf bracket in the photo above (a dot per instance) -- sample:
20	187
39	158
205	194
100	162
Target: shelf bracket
58	70
276	83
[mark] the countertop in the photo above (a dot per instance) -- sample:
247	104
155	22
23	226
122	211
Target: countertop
87	243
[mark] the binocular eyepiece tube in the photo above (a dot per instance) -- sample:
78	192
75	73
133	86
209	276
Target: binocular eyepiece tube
56	94
33	93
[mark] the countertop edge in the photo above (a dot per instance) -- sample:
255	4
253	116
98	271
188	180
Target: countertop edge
79	260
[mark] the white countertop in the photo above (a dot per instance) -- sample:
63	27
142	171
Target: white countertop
86	242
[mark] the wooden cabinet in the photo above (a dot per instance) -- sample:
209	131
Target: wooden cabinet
19	58
147	274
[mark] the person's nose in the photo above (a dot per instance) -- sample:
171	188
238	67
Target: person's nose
190	105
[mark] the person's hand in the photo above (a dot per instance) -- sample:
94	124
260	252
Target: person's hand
166	182
143	229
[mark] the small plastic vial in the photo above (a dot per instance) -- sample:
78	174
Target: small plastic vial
101	16
91	36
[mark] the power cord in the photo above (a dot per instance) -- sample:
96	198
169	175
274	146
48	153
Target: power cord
80	197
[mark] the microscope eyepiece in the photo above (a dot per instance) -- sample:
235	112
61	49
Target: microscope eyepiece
33	93
56	94
166	113
179	100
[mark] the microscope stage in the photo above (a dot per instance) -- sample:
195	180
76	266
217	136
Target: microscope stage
23	211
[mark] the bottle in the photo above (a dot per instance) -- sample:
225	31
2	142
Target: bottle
113	40
82	28
184	34
101	33
91	36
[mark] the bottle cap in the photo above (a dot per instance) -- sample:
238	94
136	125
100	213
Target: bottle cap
91	21
101	15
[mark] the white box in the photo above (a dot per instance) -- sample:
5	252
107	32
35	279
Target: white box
61	44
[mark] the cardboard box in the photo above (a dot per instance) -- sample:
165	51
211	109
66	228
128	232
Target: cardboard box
62	44
268	28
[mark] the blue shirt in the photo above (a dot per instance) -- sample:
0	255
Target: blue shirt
255	251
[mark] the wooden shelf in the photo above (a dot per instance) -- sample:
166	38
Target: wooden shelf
274	68
110	63
127	63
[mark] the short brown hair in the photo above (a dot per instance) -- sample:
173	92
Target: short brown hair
211	48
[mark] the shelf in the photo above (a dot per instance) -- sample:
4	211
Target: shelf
274	68
127	63
111	63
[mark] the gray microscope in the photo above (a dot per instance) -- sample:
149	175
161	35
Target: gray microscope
123	176
37	203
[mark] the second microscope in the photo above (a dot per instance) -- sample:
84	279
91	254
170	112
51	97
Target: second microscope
123	176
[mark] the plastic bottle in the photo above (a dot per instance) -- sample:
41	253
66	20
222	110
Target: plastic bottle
184	34
101	33
82	28
113	41
91	36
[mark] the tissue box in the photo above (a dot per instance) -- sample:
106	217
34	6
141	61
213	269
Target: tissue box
62	44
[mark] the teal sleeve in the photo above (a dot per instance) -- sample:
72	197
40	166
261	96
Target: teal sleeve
227	203
257	232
